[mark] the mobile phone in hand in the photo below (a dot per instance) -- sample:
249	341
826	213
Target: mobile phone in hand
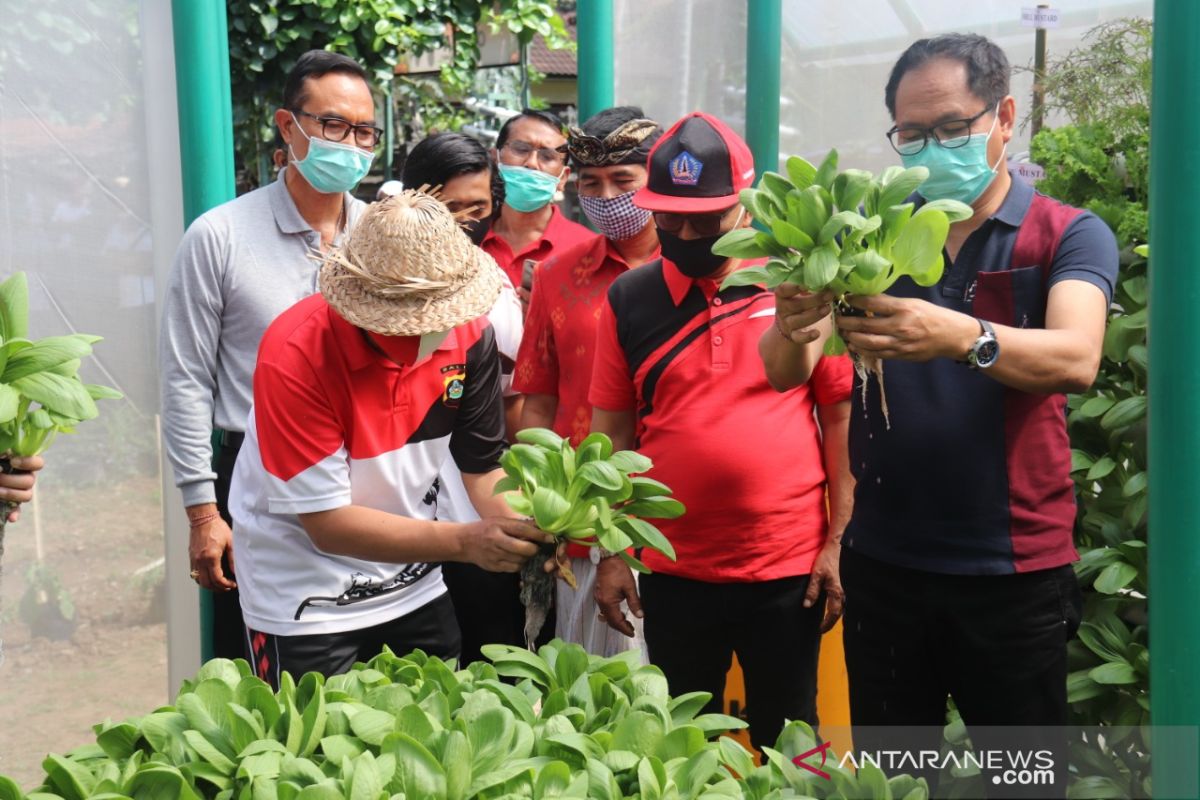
527	274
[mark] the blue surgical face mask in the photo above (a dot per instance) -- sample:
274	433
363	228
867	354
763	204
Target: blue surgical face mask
527	189
956	173
331	167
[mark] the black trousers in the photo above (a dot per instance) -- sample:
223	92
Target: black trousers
997	644
229	630
693	628
488	608
430	628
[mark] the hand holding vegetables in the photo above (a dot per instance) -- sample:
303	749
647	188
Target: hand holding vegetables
845	233
588	495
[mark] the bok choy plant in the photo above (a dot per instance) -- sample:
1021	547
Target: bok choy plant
41	394
850	232
588	495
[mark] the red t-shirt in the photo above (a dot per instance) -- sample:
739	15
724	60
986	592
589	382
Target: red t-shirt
559	344
744	459
560	234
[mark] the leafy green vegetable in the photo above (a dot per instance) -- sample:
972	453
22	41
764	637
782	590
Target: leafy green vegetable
849	232
588	495
41	394
569	725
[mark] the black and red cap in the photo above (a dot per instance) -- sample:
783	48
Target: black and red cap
697	167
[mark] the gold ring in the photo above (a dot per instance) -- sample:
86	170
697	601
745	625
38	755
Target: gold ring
195	574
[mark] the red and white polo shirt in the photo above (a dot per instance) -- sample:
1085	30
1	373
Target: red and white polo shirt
745	459
335	423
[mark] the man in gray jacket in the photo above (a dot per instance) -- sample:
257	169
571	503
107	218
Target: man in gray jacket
239	265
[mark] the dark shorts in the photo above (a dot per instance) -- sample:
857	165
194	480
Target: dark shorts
431	628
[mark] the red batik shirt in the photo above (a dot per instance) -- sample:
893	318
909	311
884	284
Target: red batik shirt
559	344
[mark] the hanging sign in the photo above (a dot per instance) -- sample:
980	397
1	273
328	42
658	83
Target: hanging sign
1040	17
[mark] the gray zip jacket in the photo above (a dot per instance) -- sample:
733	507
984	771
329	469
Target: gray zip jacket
238	267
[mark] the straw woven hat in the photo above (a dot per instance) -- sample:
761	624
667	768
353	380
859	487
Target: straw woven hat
408	269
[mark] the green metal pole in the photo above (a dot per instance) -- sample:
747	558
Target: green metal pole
1174	390
205	141
595	33
764	28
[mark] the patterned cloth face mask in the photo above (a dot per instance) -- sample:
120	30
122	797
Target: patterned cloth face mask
615	217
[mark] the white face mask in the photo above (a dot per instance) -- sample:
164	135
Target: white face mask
431	342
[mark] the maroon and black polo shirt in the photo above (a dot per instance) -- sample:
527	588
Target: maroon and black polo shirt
745	460
974	478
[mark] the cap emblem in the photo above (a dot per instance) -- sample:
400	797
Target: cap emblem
685	169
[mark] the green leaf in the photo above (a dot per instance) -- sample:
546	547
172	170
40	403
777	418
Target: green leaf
648	487
1124	413
840	222
65	396
600	473
99	392
45	354
1113	673
917	251
776	185
649	535
850	187
1101	468
630	461
69	778
747	276
1081	687
827	171
418	772
10	402
655	508
740	243
1136	484
821	267
1115	577
807	211
14	307
1096	406
540	437
954	210
800	172
789	235
549	507
898	189
372	725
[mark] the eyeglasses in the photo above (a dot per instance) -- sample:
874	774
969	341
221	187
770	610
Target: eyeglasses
701	224
950	134
336	129
546	156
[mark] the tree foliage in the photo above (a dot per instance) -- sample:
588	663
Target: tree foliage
266	37
1101	162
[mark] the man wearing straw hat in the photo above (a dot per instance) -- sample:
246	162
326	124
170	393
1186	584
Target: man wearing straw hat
361	392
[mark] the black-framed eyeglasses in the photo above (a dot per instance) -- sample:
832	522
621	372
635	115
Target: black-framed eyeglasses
952	133
701	224
336	129
546	156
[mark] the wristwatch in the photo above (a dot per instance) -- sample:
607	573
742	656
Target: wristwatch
986	349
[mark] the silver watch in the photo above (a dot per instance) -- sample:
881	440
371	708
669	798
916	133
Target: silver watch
986	349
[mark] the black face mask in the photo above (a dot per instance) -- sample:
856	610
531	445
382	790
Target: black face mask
476	229
693	257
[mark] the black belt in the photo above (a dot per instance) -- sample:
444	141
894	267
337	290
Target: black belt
232	439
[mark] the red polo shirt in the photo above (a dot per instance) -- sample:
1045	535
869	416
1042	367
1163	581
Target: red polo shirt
559	235
559	345
337	423
745	460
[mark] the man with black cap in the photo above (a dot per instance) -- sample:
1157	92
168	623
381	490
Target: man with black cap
554	364
678	376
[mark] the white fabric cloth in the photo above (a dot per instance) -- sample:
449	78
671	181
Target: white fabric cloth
453	504
576	617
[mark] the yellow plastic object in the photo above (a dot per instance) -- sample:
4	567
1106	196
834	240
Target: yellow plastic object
833	696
